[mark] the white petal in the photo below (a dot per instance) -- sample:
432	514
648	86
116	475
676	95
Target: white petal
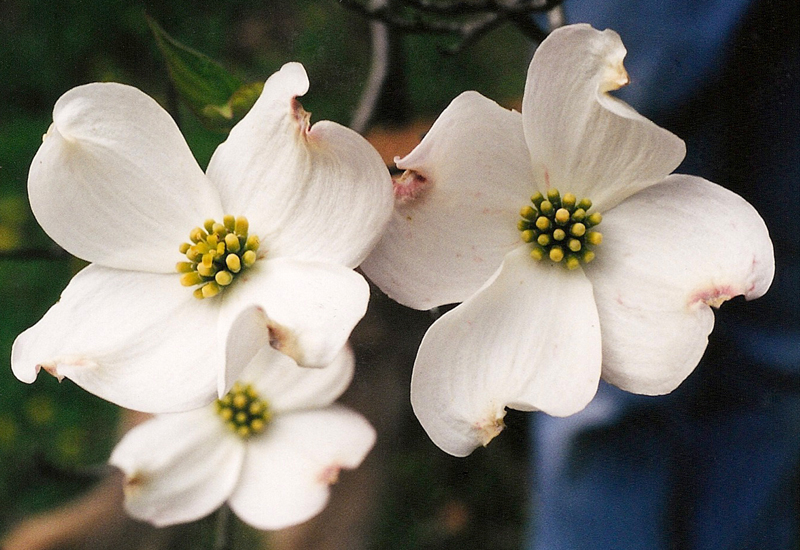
319	193
583	140
288	469
530	340
139	340
114	181
303	309
245	334
178	467
668	253
456	208
278	379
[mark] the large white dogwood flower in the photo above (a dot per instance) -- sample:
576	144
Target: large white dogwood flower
575	253
270	448
268	236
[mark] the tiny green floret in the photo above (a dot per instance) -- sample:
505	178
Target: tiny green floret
243	412
559	227
216	254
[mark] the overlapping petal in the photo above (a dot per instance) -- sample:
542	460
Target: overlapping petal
151	352
319	193
581	139
277	378
178	467
286	474
530	340
306	309
530	337
670	253
115	183
457	209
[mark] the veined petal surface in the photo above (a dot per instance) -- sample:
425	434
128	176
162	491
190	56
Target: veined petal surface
115	183
306	309
456	209
278	379
581	139
178	467
669	253
288	469
136	339
318	193
530	340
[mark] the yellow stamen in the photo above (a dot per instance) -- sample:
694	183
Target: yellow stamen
230	222
191	279
216	253
223	278
248	258
542	223
528	212
210	289
572	262
558	228
243	411
594	237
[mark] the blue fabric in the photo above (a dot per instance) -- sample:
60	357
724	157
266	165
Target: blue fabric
713	465
674	46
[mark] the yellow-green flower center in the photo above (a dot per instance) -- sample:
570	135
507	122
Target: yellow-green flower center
243	411
217	253
560	228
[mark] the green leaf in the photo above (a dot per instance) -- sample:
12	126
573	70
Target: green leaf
226	115
218	98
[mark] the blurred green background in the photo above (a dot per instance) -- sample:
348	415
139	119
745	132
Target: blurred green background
54	436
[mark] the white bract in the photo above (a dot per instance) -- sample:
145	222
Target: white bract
550	302
273	466
269	234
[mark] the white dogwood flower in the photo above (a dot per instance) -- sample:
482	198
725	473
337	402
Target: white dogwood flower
268	236
575	252
270	448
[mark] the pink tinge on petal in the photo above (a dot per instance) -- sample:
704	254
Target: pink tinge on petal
330	474
302	116
410	186
714	296
51	369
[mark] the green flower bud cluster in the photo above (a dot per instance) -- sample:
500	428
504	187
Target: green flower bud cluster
242	411
217	253
559	228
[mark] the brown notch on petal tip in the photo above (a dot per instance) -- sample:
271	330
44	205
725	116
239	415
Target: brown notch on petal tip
133	482
410	186
490	428
302	116
51	369
330	474
284	341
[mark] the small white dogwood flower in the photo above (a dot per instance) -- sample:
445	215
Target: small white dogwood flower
270	448
575	252
268	236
